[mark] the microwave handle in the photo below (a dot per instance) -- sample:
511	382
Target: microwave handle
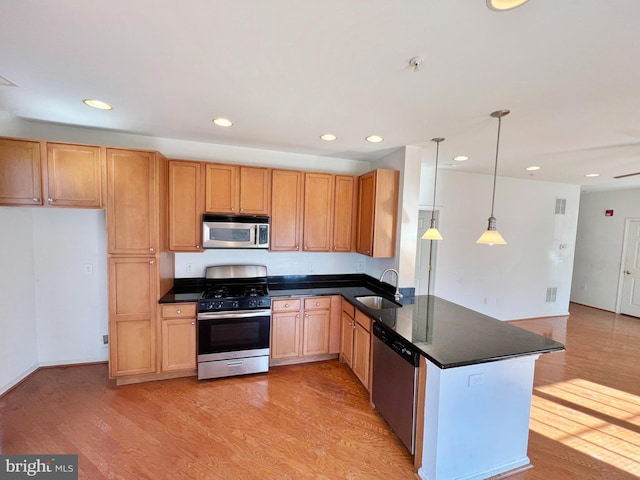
256	237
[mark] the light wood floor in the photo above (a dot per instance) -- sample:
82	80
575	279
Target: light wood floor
314	420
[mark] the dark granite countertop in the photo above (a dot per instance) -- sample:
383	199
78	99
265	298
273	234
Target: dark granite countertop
447	334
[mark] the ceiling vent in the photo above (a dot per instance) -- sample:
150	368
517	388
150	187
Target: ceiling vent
561	206
5	82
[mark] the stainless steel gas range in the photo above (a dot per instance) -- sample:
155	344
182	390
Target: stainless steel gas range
234	321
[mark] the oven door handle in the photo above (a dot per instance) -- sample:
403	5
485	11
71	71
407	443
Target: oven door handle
232	314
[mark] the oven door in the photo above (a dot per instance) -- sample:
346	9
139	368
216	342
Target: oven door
233	334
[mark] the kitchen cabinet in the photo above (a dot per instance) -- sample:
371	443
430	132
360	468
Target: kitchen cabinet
355	349
318	212
132	310
75	176
20	172
141	270
304	329
237	190
377	213
51	174
286	210
132	202
178	337
345	209
186	206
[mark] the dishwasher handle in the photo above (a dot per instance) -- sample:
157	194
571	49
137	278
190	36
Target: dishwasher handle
398	344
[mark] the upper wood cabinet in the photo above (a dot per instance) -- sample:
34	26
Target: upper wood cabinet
286	209
186	206
75	176
344	213
132	202
236	190
20	177
377	213
318	212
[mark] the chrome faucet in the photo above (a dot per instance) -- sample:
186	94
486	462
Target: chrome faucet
396	295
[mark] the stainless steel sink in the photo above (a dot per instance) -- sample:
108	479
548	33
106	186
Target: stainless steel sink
376	302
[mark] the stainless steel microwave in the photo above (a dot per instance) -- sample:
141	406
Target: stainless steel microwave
235	231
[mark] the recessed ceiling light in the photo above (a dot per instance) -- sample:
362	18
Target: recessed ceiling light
222	122
533	168
461	158
592	175
374	139
502	5
329	137
99	104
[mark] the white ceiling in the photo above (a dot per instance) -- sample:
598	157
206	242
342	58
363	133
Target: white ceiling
287	71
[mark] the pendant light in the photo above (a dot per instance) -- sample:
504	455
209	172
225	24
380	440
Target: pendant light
491	235
433	233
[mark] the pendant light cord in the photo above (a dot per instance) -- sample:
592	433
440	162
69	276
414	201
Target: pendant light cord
495	168
435	181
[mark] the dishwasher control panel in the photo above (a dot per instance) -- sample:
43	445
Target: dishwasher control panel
400	345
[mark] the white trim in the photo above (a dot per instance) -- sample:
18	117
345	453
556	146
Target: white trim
5	388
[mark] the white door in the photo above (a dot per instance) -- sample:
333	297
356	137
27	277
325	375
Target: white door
425	258
630	298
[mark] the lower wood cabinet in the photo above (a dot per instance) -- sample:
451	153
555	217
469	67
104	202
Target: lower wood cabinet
304	329
178	336
355	346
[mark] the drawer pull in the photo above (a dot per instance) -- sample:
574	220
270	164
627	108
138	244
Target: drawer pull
178	312
286	305
317	304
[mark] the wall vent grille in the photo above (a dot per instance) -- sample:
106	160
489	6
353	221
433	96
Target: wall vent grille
561	206
552	293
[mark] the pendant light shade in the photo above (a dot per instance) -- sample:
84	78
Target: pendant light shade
432	233
491	235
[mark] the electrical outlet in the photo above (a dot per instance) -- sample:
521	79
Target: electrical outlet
88	268
310	267
475	380
485	300
105	340
189	267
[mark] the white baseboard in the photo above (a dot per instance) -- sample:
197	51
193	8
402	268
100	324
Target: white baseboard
5	388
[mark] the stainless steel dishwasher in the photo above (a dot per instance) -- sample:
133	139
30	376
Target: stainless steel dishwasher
394	385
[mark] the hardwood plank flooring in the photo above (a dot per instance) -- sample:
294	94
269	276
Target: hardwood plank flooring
314	420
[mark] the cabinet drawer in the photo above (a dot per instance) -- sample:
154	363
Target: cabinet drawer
285	305
363	320
179	310
317	303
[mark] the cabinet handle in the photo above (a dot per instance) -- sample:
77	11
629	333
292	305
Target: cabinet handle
49	199
178	312
35	199
151	249
151	262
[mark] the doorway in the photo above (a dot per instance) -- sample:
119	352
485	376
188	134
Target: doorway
426	251
629	303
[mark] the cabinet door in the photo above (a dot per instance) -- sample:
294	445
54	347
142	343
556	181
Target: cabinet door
344	213
366	193
132	219
221	184
315	335
346	345
20	175
178	344
361	354
318	212
285	335
255	191
74	176
132	313
185	206
286	210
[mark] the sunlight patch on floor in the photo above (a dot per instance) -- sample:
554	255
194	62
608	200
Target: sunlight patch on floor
591	434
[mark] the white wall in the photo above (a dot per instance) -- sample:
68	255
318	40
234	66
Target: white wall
512	279
598	257
18	351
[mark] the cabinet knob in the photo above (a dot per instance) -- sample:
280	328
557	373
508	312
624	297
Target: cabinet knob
151	262
242	209
151	249
232	209
305	247
197	246
178	312
286	305
317	304
49	199
193	323
35	199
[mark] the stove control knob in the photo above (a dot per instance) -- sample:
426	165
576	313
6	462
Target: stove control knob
234	304
219	305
